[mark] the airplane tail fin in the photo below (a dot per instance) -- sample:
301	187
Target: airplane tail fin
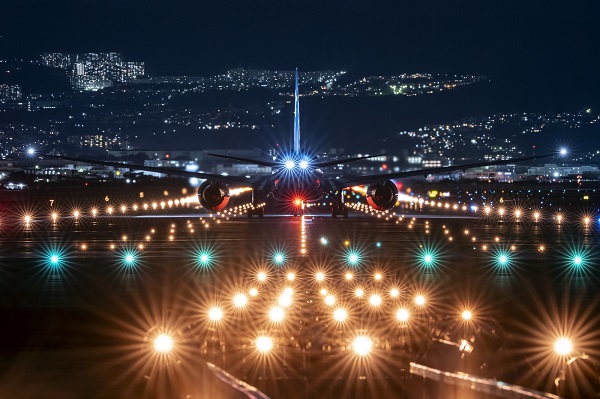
296	118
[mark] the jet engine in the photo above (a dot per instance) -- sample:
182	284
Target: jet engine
213	195
382	196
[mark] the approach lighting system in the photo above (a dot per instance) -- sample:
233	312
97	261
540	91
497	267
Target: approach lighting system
163	343
362	345
466	315
563	346
264	344
340	314
215	314
402	315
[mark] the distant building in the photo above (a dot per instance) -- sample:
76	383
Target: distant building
552	171
10	92
94	71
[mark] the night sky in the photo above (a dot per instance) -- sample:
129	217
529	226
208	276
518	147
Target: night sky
199	37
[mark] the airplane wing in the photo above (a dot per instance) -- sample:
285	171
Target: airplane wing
252	161
238	181
343	182
345	160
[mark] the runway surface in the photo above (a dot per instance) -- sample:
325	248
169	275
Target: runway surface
84	298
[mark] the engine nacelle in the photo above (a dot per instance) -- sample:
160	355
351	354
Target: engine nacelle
213	196
382	196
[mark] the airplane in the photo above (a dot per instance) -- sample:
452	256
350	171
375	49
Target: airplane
297	178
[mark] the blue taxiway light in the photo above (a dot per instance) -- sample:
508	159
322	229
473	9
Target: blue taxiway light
278	258
353	258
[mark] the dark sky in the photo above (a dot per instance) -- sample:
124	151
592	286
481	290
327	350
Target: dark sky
200	37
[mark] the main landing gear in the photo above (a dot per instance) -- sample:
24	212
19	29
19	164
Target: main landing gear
260	211
339	209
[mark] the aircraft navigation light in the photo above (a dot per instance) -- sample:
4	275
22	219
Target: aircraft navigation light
362	345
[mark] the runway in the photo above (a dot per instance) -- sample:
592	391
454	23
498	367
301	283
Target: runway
85	297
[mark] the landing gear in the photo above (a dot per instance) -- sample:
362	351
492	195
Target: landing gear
341	210
259	211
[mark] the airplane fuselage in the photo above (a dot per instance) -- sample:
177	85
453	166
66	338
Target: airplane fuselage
305	186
